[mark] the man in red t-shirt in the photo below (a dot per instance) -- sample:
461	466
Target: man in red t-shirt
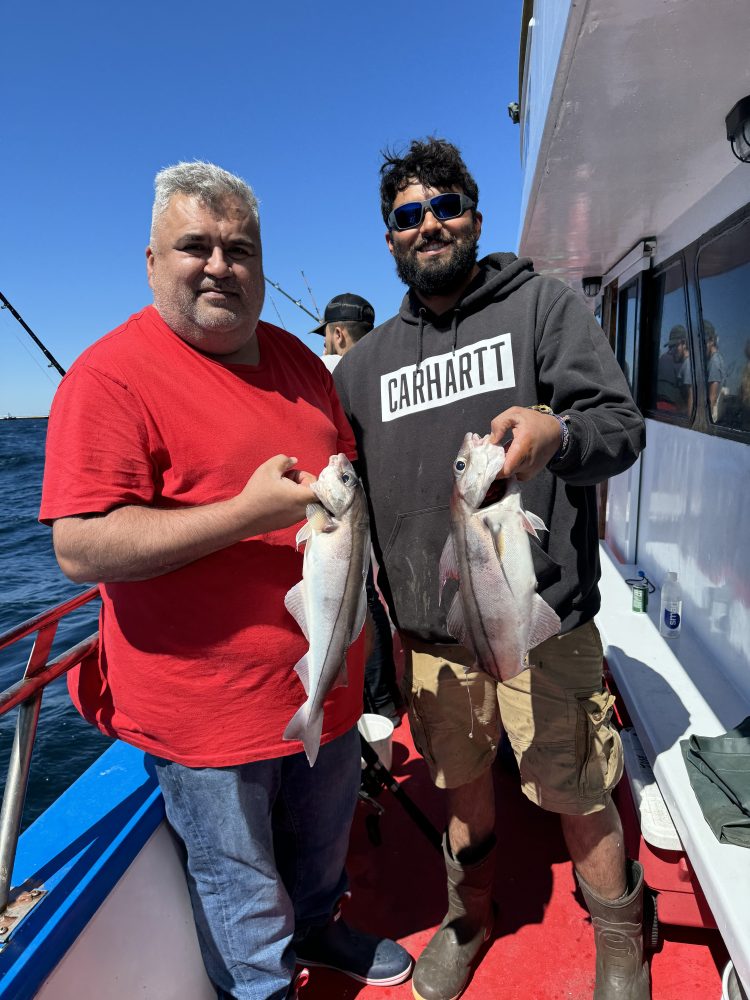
169	479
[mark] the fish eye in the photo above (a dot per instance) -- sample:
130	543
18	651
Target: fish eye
460	465
345	477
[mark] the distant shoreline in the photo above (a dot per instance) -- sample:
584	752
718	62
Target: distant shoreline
45	417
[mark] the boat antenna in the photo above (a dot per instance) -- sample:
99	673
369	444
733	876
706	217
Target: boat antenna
53	362
297	302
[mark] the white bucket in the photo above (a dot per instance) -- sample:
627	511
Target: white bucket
378	731
730	987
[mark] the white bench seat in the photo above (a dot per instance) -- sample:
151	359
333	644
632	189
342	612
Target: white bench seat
671	690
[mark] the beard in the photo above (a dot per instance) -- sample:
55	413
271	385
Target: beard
439	275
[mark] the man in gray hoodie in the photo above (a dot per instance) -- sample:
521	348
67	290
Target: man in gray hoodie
476	346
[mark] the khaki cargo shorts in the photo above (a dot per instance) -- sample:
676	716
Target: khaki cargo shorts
556	714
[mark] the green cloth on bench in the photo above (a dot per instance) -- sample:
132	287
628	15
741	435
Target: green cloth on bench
719	771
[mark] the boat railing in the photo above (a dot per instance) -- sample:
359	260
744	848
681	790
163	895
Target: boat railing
27	693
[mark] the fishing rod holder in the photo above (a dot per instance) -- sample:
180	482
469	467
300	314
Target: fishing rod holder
375	777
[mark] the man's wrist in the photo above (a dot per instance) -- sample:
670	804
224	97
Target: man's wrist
564	430
564	438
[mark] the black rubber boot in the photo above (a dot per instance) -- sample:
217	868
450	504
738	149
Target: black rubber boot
621	972
444	967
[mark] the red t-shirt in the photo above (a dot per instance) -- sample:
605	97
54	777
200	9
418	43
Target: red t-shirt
195	665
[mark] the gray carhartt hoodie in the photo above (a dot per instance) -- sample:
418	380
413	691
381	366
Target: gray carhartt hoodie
417	384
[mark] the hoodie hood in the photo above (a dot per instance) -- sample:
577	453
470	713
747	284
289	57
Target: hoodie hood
499	275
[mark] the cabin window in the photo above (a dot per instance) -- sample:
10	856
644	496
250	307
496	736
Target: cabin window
627	330
724	286
670	385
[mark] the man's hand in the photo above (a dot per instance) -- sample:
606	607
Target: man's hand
275	496
536	438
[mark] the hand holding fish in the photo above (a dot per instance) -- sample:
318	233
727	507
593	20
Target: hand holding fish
276	496
536	439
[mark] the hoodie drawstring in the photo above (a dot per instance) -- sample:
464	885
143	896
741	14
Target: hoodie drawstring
454	327
420	334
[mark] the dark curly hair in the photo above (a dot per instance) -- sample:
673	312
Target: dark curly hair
432	162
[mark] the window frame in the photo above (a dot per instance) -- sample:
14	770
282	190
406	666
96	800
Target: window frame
734	221
649	354
620	340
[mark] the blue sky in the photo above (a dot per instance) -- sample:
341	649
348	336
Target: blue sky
298	98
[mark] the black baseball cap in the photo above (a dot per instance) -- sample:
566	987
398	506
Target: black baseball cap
346	307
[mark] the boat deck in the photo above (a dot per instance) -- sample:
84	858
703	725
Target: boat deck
542	948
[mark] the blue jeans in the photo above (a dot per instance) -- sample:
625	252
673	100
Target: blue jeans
266	844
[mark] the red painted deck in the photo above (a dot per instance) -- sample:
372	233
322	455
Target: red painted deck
543	947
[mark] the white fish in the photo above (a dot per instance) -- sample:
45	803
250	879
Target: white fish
497	613
329	604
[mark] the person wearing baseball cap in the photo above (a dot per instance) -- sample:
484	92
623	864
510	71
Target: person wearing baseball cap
347	318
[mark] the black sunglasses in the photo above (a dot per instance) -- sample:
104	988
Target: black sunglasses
442	206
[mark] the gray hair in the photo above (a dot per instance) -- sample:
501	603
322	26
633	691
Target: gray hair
205	181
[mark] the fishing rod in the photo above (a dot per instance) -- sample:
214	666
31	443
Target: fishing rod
53	362
297	302
310	293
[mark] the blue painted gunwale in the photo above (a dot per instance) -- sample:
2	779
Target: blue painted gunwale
77	850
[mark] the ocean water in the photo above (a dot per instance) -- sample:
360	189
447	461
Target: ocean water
30	582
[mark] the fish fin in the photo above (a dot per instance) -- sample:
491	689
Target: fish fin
455	622
496	530
532	523
302	669
303	534
294	602
306	729
318	518
448	564
544	622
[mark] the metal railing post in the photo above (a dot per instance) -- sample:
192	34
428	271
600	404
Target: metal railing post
27	694
20	762
15	791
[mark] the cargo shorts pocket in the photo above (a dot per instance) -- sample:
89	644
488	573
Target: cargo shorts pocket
599	758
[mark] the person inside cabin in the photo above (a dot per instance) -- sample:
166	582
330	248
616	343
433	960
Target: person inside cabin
716	371
479	346
346	320
674	379
180	453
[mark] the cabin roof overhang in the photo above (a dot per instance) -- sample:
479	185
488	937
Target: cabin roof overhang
634	131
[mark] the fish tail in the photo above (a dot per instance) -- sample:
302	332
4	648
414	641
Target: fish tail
307	729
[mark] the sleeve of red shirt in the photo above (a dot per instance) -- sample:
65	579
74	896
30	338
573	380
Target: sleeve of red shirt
97	454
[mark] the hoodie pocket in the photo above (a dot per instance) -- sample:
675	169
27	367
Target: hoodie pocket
411	560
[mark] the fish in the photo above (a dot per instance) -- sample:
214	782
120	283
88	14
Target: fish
329	603
496	612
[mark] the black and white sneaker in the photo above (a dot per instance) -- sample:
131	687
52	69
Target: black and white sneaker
365	957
